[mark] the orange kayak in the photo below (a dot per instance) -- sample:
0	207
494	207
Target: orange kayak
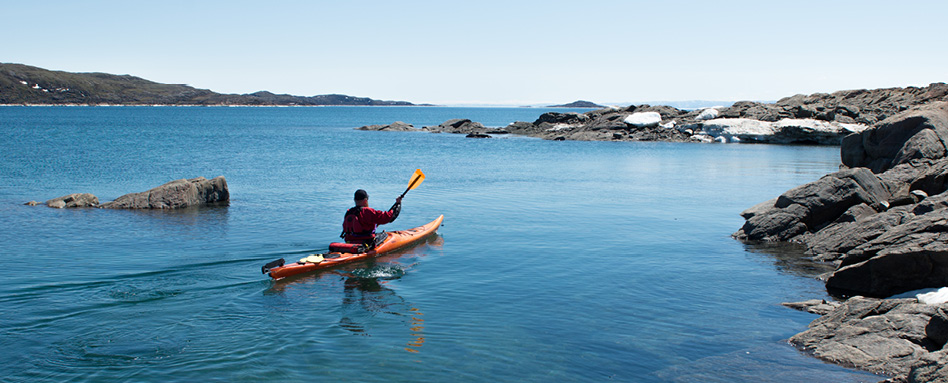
394	241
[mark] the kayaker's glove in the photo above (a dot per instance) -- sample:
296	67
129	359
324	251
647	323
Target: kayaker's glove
396	208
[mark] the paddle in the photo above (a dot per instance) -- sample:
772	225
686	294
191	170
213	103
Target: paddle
416	179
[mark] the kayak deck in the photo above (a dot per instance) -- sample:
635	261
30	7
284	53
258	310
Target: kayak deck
394	241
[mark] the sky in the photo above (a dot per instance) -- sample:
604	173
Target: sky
492	52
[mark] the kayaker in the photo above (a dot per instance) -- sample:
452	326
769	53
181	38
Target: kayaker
360	221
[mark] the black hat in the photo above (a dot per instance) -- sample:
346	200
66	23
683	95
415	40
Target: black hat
361	195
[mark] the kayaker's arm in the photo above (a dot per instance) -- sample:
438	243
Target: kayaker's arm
396	208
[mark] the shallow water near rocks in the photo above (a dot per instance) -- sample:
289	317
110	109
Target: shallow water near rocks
557	261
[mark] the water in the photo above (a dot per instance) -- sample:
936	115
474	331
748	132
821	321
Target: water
557	261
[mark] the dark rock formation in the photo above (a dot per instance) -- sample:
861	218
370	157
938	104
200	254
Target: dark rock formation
889	272
920	133
888	232
175	194
897	337
458	126
396	126
478	135
74	200
810	207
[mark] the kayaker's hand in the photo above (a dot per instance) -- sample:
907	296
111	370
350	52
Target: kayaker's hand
398	200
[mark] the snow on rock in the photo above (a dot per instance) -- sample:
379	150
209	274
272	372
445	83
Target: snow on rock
737	129
560	126
669	124
707	114
819	126
926	296
24	83
644	119
729	127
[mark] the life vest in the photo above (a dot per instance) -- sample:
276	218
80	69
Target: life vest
351	227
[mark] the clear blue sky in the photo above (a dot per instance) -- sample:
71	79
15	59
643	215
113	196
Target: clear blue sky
496	52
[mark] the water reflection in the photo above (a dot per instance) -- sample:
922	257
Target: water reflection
369	303
790	258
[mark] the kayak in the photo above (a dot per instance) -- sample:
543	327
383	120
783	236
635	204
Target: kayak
394	241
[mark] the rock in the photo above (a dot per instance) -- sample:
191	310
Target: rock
857	226
920	133
885	336
813	306
32	203
74	200
932	367
459	126
396	126
810	207
477	135
175	194
892	272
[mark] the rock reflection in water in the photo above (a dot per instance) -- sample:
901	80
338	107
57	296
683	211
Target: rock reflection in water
790	258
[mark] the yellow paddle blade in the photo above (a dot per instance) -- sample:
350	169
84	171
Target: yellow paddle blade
416	179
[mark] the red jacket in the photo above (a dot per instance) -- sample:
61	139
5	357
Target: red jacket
360	223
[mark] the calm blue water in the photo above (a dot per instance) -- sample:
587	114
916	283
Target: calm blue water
557	261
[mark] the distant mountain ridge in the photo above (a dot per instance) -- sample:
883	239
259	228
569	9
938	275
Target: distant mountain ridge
24	84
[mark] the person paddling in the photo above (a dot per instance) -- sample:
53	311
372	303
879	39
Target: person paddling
360	221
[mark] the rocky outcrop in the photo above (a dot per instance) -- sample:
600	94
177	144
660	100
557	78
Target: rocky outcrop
888	232
175	194
73	200
920	133
458	126
396	126
897	337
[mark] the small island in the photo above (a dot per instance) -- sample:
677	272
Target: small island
579	104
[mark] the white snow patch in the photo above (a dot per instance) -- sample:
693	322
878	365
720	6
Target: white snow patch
24	83
759	130
819	125
560	127
927	296
644	119
707	114
669	124
36	86
735	126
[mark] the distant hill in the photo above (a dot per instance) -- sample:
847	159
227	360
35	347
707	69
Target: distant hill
578	104
24	84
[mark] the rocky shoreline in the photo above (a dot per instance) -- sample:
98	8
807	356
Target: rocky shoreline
821	119
882	222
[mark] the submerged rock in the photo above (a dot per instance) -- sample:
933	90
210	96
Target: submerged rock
74	200
175	194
